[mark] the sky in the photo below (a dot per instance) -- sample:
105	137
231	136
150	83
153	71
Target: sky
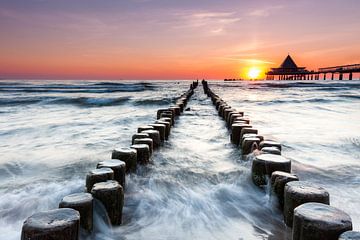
172	39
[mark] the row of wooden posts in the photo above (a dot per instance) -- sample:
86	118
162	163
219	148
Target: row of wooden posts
305	205
106	183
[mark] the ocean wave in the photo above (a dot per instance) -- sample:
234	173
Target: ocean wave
100	87
153	101
286	101
18	101
84	101
351	96
311	100
68	90
5	83
78	101
355	142
146	84
92	102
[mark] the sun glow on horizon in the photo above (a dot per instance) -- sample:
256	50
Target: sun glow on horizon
254	73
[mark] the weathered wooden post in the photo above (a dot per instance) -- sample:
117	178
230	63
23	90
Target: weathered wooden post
272	150
119	168
278	182
269	143
127	155
265	164
236	132
147	141
111	195
144	128
83	203
143	153
300	192
247	130
176	109
317	221
155	136
249	144
168	115
167	127
98	175
62	224
139	135
161	128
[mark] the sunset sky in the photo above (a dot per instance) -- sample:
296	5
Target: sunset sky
172	39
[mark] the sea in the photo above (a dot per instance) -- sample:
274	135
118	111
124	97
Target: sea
198	185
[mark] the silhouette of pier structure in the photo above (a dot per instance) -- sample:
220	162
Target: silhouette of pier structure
288	70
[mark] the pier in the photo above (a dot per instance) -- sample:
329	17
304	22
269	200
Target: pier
288	70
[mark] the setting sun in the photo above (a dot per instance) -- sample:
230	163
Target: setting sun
254	73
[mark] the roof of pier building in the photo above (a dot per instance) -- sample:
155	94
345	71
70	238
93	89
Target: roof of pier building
288	66
288	63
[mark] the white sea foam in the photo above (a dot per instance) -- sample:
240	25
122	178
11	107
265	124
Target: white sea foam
198	186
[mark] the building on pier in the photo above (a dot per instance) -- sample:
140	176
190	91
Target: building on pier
288	70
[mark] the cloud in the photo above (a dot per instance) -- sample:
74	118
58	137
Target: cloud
259	13
247	60
204	15
264	12
210	22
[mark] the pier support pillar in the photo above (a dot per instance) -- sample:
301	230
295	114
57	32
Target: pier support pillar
332	76
324	76
340	76
350	76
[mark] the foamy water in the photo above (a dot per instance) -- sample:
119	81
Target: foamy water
198	187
